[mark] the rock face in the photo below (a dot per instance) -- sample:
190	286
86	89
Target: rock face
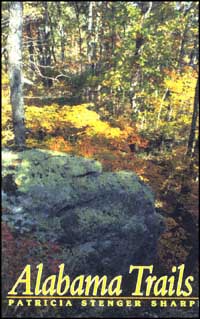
106	220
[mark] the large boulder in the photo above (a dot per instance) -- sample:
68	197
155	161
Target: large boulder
106	220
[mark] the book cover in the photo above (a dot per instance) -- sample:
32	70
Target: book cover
100	107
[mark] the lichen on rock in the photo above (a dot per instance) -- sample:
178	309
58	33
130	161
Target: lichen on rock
107	219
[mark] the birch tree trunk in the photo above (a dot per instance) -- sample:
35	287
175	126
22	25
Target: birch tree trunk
15	71
90	33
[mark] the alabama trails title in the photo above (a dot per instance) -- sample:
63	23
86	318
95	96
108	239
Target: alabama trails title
58	289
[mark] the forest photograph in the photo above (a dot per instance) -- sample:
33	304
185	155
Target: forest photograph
100	158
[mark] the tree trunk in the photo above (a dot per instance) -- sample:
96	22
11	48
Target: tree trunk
182	46
90	33
194	121
44	45
30	45
80	40
166	94
15	71
61	31
53	44
47	51
194	52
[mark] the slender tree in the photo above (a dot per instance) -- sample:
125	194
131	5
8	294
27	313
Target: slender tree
194	121
90	32
15	71
61	32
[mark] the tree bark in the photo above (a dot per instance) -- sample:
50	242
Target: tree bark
15	71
